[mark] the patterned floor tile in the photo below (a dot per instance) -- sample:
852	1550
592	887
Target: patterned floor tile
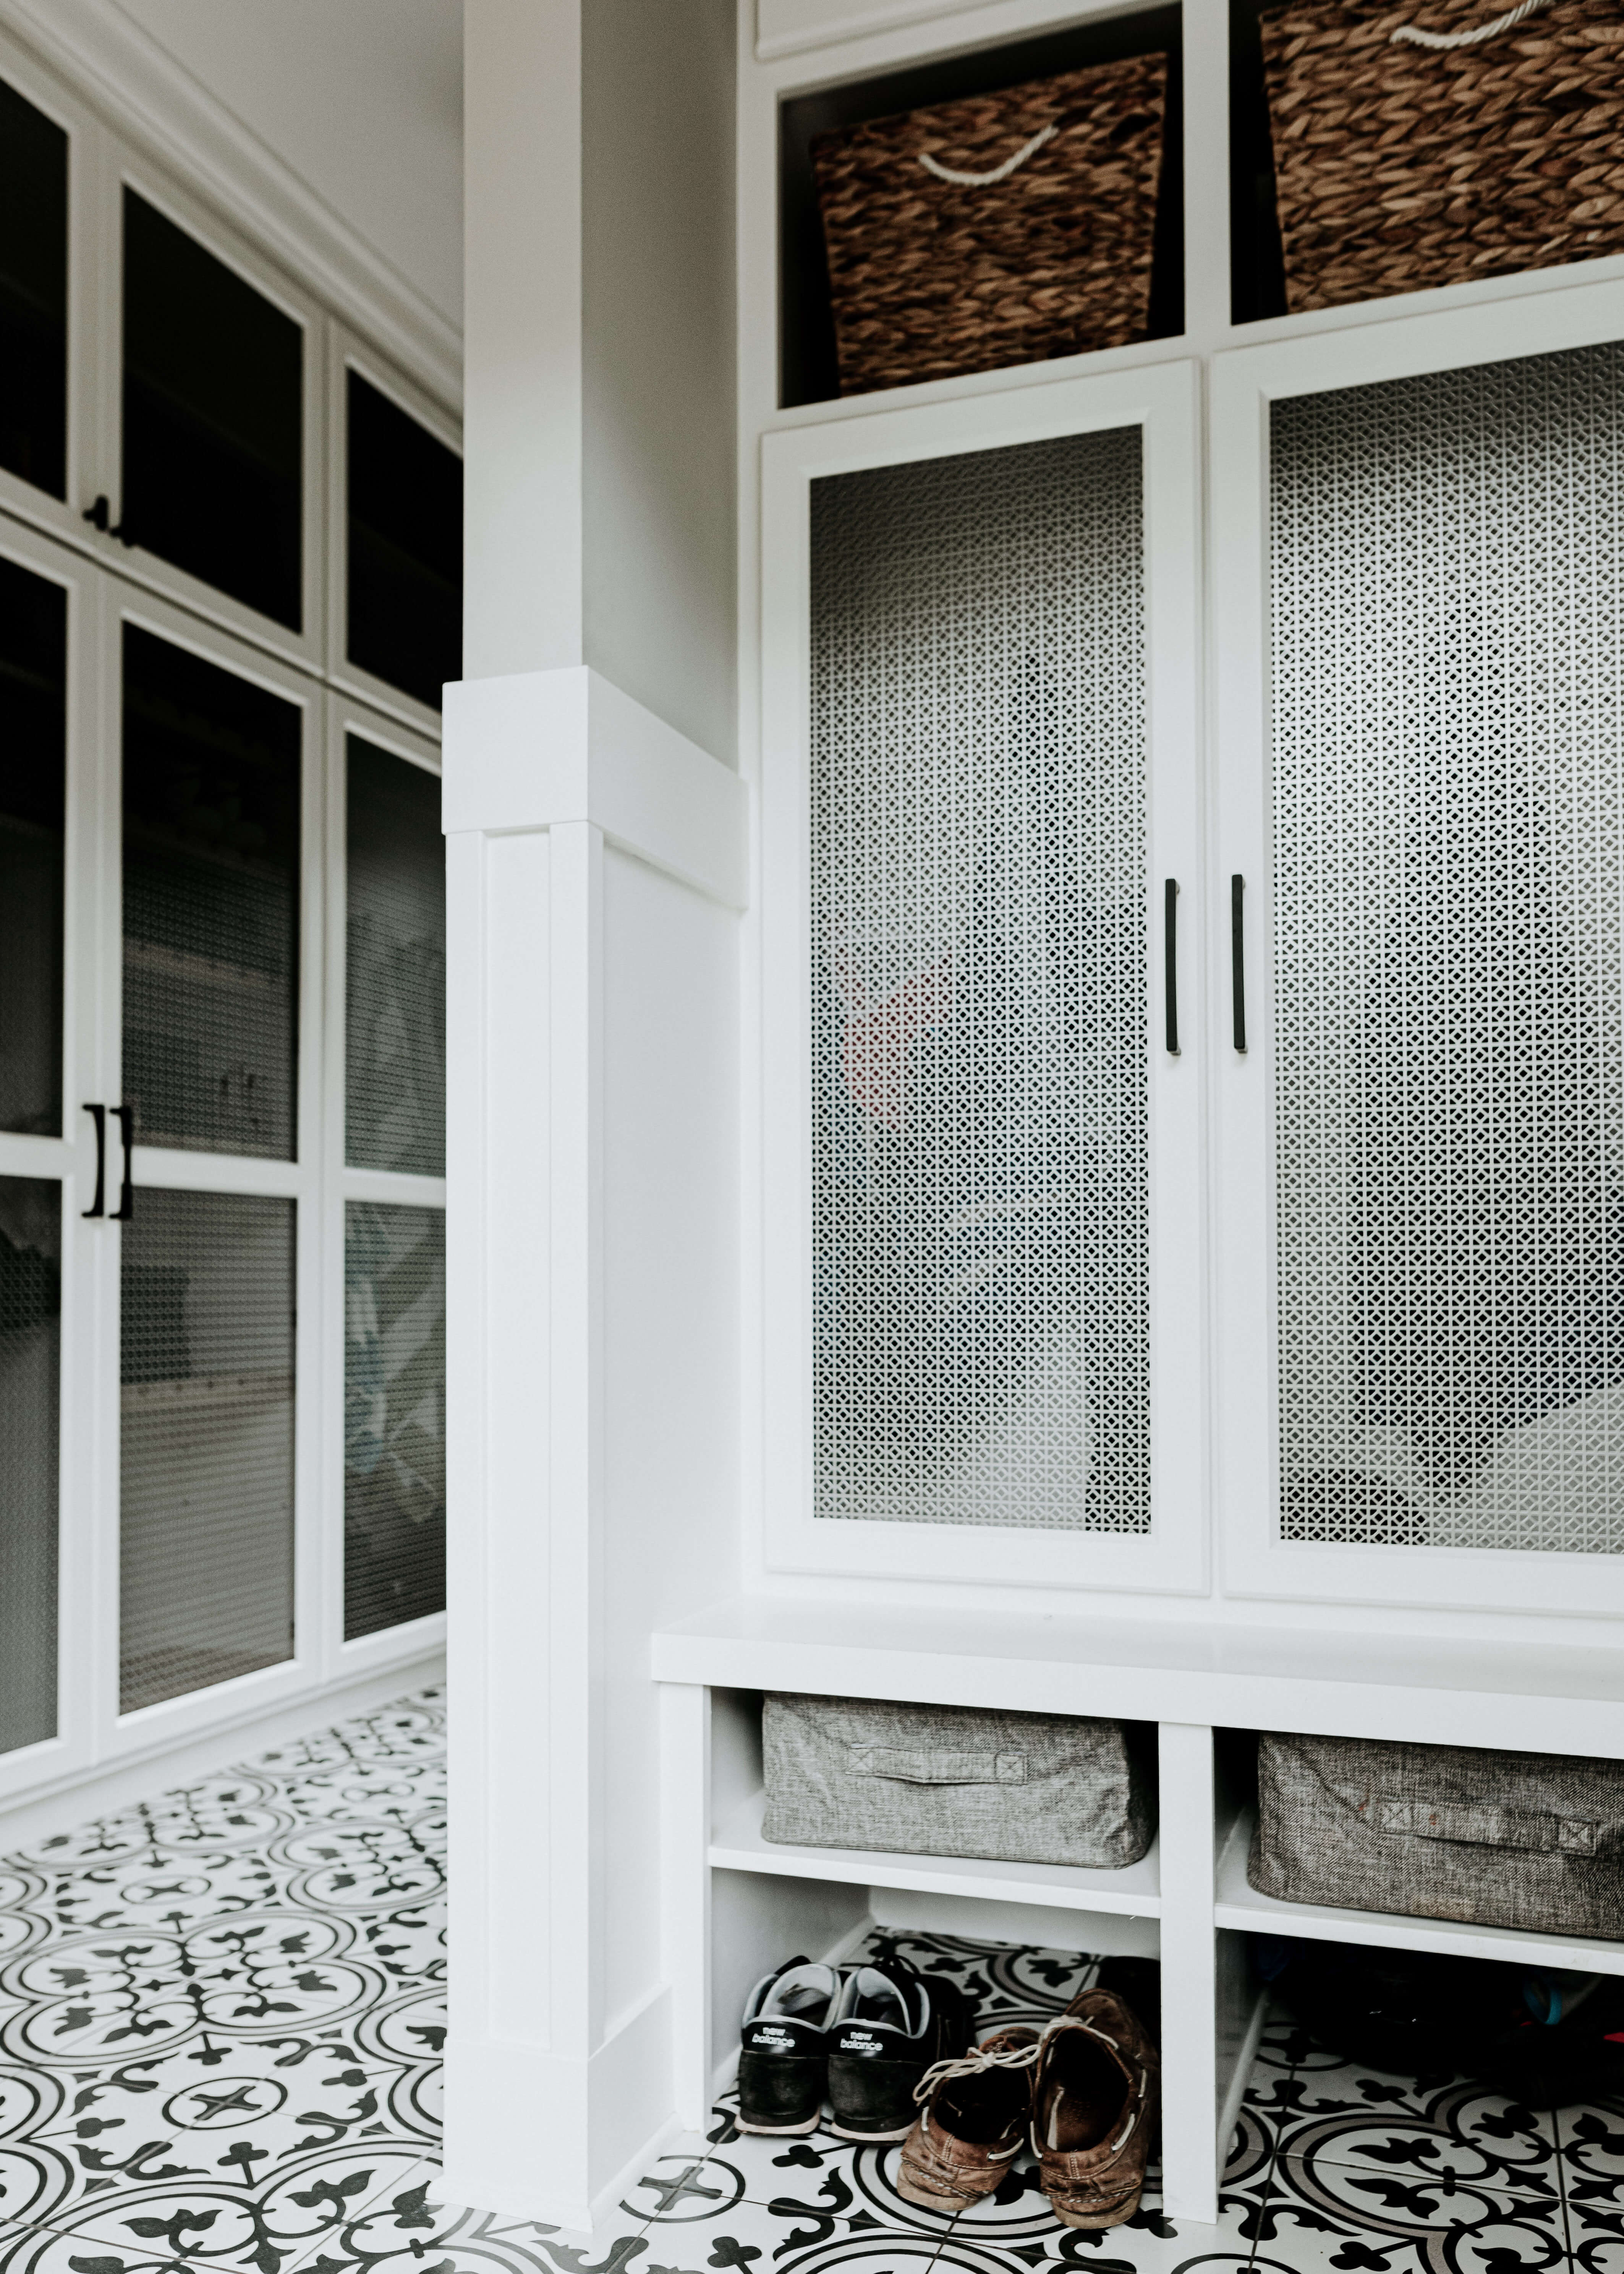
1421	2129
1591	2145
1324	2213
221	2011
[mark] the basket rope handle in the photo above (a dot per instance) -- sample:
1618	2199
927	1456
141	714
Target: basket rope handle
1028	150
1479	31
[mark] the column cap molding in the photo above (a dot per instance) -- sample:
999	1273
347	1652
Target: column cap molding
537	749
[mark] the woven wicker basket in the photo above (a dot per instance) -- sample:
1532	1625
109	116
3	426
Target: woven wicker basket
1046	251
1403	164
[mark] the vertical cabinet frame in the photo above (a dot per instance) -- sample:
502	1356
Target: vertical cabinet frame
1256	1561
1162	400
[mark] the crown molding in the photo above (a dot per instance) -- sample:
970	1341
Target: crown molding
146	96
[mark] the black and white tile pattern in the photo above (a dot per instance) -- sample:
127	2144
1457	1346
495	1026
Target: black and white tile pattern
220	2024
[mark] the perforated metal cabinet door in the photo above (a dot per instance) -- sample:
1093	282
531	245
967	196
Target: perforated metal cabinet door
1446	595
980	977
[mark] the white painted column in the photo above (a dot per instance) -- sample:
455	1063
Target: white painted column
597	864
597	867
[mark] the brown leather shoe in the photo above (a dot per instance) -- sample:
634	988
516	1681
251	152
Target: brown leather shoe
973	2124
1096	2108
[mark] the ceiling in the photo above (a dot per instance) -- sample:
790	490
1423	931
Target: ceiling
363	99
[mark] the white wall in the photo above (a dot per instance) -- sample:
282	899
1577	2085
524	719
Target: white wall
362	100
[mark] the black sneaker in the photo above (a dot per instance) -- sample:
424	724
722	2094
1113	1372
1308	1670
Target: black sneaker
891	2027
783	2051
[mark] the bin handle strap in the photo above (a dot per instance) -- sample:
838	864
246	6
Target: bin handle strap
1478	32
1011	165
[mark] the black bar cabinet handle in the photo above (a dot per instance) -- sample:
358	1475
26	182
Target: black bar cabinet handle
1238	959
125	1118
98	1114
1170	959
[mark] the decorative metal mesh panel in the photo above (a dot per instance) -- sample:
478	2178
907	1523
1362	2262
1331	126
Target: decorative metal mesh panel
206	1563
979	1164
394	1102
211	904
395	1416
1449	794
30	1373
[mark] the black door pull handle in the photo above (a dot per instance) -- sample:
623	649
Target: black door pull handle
1169	961
98	1114
125	1118
1237	960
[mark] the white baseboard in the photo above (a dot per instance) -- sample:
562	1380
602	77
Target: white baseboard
98	1791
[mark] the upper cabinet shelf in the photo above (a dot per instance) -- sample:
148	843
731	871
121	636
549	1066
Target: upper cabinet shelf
1380	150
1006	206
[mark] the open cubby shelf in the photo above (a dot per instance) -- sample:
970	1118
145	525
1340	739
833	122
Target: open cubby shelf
738	1846
751	1903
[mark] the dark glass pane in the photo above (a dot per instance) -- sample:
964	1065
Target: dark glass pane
394	1102
33	295
33	717
206	1554
214	424
405	545
211	864
30	1311
395	1416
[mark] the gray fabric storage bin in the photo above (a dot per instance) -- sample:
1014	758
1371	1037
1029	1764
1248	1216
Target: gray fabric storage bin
952	1781
1528	1840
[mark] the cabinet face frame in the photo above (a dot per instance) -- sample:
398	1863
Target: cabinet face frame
1255	1562
341	1183
347	353
1163	401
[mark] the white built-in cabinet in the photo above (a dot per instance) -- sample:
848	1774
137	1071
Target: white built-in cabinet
1149	1248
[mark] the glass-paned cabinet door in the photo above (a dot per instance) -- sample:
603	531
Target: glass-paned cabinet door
397	608
47	639
216	415
33	751
220	763
213	419
212	790
1440	913
30	1399
393	1181
34	294
988	830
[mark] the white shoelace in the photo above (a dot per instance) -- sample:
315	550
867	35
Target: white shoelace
975	2063
978	2059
